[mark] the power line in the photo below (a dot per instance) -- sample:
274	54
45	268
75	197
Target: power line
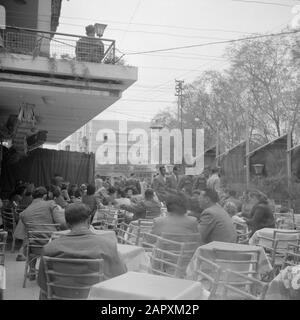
134	13
214	43
132	23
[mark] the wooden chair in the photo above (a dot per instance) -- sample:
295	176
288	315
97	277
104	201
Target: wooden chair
9	224
209	274
37	236
170	258
248	287
71	279
292	256
278	245
3	239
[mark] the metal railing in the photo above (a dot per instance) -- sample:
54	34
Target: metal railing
58	45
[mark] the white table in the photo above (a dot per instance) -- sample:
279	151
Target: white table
144	286
269	232
206	251
134	257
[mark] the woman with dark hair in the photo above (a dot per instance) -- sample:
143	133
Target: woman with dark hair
261	215
176	221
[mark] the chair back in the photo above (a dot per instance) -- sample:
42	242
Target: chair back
150	215
148	241
284	220
8	220
243	232
71	279
128	234
244	261
292	256
3	239
281	239
209	274
38	235
247	287
171	258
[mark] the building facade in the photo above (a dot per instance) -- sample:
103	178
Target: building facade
95	137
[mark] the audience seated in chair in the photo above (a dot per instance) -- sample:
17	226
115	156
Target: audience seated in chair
176	221
82	243
215	224
147	205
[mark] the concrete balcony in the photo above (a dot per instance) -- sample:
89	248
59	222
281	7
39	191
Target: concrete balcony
67	86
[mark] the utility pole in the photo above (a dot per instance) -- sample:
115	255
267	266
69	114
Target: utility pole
178	93
289	163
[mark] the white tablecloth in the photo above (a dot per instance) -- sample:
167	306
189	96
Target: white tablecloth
2	278
206	251
268	232
144	286
282	289
134	257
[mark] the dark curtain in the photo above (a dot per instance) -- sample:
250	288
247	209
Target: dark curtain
41	164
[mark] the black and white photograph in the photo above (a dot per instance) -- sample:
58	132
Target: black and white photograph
149	153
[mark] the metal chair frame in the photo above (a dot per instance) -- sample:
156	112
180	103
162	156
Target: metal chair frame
77	290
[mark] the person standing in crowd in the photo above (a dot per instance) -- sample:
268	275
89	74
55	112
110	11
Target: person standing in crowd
172	181
81	243
214	182
159	184
176	221
214	223
261	215
199	182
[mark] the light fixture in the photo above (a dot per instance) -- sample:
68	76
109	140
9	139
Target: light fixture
99	29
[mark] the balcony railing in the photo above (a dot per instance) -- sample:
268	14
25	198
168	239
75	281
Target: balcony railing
59	45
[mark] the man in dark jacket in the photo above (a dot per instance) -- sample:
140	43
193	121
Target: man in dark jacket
214	222
82	243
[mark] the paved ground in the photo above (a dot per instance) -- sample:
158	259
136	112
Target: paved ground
14	280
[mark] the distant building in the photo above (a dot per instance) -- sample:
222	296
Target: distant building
87	139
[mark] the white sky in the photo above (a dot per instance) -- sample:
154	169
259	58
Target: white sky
136	25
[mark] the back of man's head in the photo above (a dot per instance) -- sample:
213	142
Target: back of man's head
76	213
176	203
211	194
39	192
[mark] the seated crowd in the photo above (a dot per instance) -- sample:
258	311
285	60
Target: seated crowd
196	206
